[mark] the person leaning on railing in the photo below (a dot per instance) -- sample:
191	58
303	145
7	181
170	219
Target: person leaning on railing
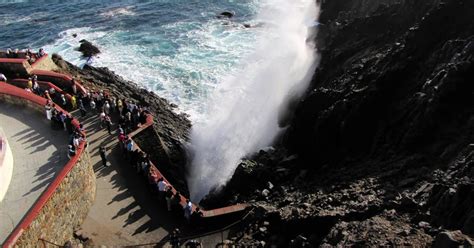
3	78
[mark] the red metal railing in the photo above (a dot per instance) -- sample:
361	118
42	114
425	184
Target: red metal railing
23	83
156	171
13	91
64	80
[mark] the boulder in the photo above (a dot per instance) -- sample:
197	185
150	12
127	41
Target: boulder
452	239
88	49
225	14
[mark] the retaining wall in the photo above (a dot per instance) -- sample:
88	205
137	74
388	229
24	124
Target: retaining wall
21	67
66	201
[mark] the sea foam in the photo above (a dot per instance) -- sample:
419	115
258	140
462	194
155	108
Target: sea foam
243	112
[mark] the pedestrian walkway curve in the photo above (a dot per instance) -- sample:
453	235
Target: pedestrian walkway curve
38	152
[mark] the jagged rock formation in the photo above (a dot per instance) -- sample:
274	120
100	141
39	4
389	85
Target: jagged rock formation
379	151
88	49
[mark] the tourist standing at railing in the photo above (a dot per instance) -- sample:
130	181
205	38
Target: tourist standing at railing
68	123
36	88
76	141
119	106
113	105
100	99
48	110
176	204
128	121
108	123
107	108
103	156
71	152
188	210
73	102
161	190
135	117
120	129
63	101
145	164
28	52
73	86
168	196
62	117
30	83
41	53
92	105
47	95
3	78
102	119
122	139
196	218
129	145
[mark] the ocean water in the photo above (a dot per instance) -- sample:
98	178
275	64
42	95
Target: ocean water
177	48
234	82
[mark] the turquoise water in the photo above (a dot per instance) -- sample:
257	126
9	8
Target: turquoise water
175	48
233	81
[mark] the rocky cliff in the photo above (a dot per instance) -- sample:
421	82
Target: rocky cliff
380	150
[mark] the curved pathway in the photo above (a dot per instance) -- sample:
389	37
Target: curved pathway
38	153
124	212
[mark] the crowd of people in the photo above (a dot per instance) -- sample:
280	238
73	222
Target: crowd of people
28	54
168	198
129	115
61	120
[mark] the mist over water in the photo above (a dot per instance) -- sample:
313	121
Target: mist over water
243	112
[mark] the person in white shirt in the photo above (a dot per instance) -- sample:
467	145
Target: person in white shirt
161	190
102	119
76	141
188	210
3	78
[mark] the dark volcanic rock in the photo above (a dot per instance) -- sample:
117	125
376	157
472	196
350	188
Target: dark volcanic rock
88	49
382	138
452	239
225	14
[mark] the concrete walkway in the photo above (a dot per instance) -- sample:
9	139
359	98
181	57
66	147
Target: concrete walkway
38	153
116	218
125	212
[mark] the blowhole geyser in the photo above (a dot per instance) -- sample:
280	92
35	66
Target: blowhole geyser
243	112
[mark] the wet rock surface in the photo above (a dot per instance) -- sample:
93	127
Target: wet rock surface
88	49
380	150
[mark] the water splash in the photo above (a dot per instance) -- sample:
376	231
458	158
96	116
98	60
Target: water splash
244	111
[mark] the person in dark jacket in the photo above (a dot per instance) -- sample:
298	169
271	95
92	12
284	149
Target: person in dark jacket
103	156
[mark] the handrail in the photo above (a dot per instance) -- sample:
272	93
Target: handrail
21	60
162	242
64	77
42	84
11	90
39	59
206	213
12	60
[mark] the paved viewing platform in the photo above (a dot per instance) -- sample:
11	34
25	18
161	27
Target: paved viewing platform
115	207
39	152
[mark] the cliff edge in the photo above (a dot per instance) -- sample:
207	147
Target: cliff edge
380	149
